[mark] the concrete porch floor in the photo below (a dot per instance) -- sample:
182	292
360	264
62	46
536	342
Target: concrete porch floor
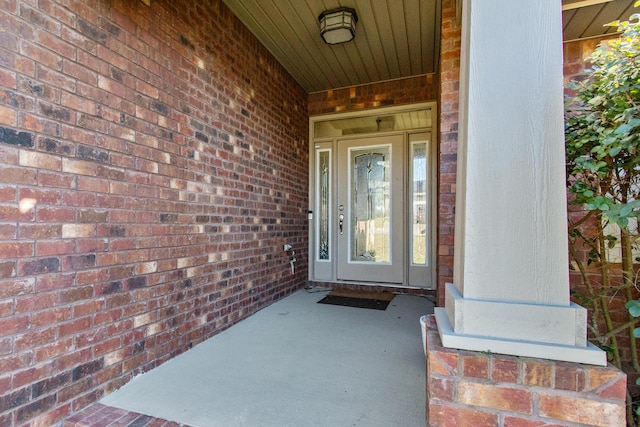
294	363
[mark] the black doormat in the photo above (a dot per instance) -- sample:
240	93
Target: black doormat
375	304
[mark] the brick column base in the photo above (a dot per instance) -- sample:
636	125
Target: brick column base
466	388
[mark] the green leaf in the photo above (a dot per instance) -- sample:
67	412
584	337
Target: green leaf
636	332
634	307
596	101
615	151
622	129
625	210
634	121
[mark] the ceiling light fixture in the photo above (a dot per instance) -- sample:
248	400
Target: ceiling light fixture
338	25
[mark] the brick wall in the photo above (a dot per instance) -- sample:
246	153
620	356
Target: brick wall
153	161
411	90
448	122
576	55
467	388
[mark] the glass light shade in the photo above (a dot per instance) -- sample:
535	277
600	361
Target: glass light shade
338	25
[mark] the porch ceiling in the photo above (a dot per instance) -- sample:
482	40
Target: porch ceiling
394	38
589	17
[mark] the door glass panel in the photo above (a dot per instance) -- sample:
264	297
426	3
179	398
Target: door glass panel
370	205
324	206
418	228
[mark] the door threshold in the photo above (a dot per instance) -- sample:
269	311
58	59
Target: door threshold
374	287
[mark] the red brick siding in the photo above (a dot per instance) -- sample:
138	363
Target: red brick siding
411	90
448	122
101	415
153	160
494	390
576	54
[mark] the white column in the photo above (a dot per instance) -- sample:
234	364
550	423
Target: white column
511	281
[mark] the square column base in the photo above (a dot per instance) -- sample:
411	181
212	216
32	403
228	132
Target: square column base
589	353
538	322
480	388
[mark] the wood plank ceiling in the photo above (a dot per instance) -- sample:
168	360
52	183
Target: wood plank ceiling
394	38
589	20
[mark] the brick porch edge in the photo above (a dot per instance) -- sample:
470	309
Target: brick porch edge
466	388
99	415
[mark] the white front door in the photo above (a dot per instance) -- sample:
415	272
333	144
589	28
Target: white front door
370	210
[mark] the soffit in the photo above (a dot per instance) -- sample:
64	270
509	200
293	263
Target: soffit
590	20
394	38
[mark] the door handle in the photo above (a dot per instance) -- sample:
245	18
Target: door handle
340	222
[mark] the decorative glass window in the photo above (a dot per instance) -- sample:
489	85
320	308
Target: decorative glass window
324	204
418	197
370	205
